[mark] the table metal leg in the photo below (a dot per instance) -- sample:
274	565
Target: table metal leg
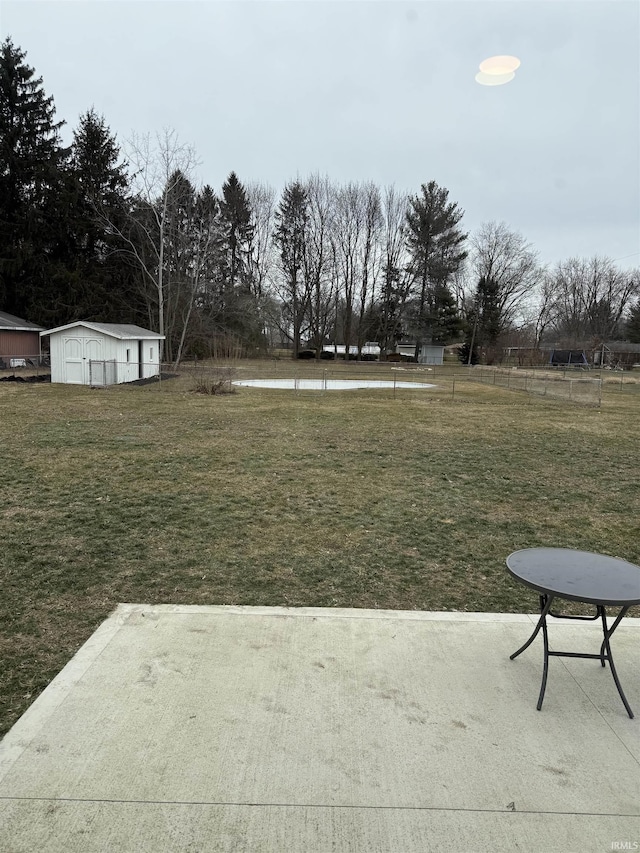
603	656
545	606
545	638
603	614
606	647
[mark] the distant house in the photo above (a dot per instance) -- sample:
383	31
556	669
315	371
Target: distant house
19	341
88	353
369	352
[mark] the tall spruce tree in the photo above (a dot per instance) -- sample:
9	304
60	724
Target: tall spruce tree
240	306
443	315
484	322
291	236
235	215
435	244
32	190
633	324
100	279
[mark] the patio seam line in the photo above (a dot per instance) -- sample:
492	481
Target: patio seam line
223	803
602	716
599	711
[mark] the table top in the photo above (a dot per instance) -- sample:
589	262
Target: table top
577	575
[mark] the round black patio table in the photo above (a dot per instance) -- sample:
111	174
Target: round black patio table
577	576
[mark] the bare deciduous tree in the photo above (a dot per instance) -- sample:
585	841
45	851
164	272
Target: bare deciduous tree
199	237
505	258
262	200
396	278
348	225
157	166
588	299
370	256
318	258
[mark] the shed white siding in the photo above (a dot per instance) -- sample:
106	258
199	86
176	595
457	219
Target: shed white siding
82	355
431	354
73	349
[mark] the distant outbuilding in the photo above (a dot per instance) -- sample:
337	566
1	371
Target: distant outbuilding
431	354
88	353
370	351
428	353
19	341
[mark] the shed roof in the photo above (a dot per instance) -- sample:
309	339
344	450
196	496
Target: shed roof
17	324
122	331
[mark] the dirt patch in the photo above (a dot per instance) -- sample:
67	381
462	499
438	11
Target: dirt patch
153	380
38	377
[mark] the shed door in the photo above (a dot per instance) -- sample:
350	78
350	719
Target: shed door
93	348
73	363
77	354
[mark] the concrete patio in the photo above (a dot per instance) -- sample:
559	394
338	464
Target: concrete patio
181	728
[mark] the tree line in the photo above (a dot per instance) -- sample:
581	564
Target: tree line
92	231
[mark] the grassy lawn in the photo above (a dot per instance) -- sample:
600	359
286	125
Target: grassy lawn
349	499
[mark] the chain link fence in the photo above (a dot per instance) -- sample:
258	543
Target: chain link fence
23	362
317	378
560	386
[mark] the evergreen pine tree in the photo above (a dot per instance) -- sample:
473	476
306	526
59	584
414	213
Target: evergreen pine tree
100	283
240	307
435	243
291	235
489	313
235	215
484	322
96	162
32	195
633	324
443	315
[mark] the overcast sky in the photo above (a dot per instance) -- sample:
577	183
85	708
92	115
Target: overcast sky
380	91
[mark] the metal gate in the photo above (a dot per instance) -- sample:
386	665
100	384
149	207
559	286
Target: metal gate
103	372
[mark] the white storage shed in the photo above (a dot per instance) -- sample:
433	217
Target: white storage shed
431	354
88	353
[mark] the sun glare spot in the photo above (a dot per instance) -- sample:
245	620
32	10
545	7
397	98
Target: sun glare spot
500	64
497	70
494	79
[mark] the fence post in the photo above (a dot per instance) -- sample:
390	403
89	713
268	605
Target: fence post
453	388
600	393
394	386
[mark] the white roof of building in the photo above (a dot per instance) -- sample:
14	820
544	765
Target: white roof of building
122	331
16	324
